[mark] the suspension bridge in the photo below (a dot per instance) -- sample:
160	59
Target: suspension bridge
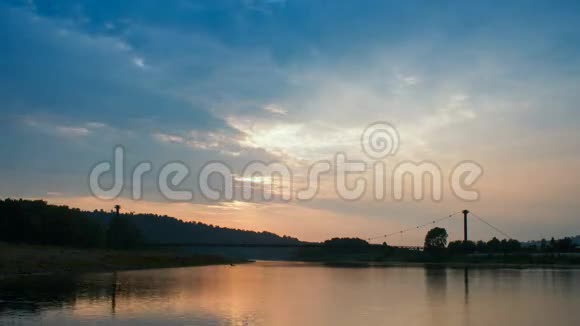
385	236
442	219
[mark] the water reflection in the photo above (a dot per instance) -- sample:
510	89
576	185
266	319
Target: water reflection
466	284
436	279
294	293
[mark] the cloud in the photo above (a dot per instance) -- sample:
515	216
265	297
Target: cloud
409	80
216	141
456	109
275	109
95	125
139	62
252	84
52	125
108	89
165	138
73	131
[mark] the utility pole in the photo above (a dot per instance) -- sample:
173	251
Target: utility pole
465	212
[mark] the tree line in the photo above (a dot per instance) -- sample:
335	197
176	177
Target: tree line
37	222
436	241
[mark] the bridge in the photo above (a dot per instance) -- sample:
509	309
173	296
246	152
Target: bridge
465	213
268	245
322	245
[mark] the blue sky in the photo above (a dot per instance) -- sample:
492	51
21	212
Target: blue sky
489	81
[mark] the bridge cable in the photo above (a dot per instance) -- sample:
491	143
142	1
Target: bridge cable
490	225
413	228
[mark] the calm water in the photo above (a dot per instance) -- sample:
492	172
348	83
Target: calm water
273	293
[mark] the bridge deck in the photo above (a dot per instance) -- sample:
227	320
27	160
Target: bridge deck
261	245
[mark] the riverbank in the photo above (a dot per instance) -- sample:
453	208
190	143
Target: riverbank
377	257
452	265
24	259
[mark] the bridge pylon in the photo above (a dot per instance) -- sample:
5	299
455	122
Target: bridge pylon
465	212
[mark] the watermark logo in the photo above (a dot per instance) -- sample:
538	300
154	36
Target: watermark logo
349	179
380	140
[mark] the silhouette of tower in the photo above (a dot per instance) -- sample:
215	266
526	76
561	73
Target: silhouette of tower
465	212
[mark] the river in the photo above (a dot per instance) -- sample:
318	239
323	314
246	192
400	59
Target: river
289	293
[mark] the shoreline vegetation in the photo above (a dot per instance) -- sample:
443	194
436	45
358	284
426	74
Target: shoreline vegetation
38	238
495	253
25	259
571	261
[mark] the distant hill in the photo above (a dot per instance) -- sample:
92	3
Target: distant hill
37	222
166	229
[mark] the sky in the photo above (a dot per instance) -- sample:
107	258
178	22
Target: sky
492	82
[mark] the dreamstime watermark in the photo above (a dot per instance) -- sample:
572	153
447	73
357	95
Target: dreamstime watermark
349	178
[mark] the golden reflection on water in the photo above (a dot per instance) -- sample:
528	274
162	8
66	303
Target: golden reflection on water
276	293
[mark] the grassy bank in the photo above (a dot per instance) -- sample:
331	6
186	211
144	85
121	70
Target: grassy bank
31	259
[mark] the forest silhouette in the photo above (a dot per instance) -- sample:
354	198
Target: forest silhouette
37	222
